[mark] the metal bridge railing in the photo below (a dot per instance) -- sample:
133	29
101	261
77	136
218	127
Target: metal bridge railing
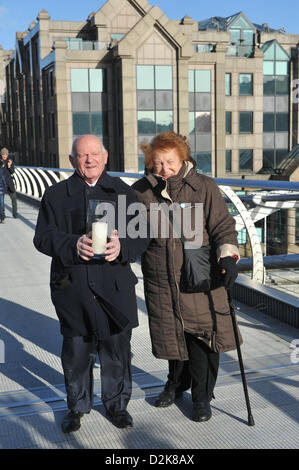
266	197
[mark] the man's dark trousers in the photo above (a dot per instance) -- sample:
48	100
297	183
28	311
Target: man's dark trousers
13	197
78	359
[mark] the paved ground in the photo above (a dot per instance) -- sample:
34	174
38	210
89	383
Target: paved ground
32	395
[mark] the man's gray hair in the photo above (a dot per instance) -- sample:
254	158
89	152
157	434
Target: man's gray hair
74	146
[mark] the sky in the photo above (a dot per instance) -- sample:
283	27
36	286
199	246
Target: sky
17	15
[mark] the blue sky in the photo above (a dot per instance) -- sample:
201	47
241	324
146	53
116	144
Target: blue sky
16	15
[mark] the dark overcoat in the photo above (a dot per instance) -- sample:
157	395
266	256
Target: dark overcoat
90	297
8	174
172	311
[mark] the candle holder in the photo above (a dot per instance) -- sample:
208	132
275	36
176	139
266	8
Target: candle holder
100	224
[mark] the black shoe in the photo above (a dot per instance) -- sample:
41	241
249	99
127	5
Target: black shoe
71	421
120	419
201	411
15	216
167	398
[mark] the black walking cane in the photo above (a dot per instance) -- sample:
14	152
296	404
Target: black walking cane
233	317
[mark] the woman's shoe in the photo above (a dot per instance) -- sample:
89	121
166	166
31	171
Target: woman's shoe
167	398
201	411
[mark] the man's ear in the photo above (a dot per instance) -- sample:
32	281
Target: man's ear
71	159
105	157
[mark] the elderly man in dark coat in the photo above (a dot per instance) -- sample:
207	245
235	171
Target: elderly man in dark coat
9	169
94	299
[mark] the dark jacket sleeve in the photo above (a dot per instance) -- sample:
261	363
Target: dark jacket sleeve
50	239
220	223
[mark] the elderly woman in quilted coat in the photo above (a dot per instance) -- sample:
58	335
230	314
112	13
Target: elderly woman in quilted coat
187	329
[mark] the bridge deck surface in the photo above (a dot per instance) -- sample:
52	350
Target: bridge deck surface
32	394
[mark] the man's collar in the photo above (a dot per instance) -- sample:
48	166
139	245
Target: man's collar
76	181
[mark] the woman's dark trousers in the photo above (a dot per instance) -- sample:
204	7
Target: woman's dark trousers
199	372
78	359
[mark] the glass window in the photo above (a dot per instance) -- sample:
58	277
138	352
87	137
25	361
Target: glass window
268	159
81	123
228	161
282	85
280	155
268	122
191	81
245	84
191	123
282	122
269	54
248	38
241	23
228	90
203	162
80	102
202	122
245	160
269	85
228	122
145	77
268	67
96	124
163	77
146	122
141	163
246	122
235	36
79	80
96	80
282	68
164	120
203	80
280	53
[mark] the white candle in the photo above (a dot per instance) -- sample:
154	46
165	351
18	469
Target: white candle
99	237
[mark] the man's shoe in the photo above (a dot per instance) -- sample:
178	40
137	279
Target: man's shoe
201	411
71	421
120	419
167	398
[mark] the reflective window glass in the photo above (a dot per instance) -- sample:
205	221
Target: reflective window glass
269	85
203	80
245	160
163	75
268	158
81	123
268	122
282	122
202	122
245	84
248	37
280	155
96	124
80	102
228	122
228	161
163	100
146	122
228	84
280	54
145	77
282	68
145	99
164	121
79	80
282	85
269	53
268	67
96	80
203	162
191	123
235	36
246	122
241	23
191	81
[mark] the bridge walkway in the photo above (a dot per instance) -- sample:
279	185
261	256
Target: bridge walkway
32	394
